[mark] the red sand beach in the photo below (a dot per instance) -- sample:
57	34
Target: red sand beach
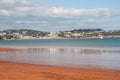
20	71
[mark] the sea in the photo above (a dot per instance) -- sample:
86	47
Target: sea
78	53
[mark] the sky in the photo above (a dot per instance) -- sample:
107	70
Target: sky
59	15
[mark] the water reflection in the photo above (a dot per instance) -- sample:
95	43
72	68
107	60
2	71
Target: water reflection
70	50
71	57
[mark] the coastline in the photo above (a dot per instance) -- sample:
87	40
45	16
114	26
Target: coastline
21	71
49	38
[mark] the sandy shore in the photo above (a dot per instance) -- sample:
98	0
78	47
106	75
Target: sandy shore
19	71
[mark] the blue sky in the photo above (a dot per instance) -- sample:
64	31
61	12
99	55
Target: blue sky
57	15
115	4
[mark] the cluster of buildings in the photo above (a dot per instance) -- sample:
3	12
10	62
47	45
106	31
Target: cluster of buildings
32	34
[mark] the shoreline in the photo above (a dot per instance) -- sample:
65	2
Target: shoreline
57	47
2	49
26	71
21	71
75	49
49	38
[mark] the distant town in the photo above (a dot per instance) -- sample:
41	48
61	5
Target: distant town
22	34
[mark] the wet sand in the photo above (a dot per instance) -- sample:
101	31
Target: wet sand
20	71
7	49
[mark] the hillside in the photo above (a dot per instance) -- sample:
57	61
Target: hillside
76	33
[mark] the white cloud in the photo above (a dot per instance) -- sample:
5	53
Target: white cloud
25	7
8	1
4	12
30	12
80	12
30	22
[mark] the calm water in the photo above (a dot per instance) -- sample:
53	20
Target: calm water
76	52
95	43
